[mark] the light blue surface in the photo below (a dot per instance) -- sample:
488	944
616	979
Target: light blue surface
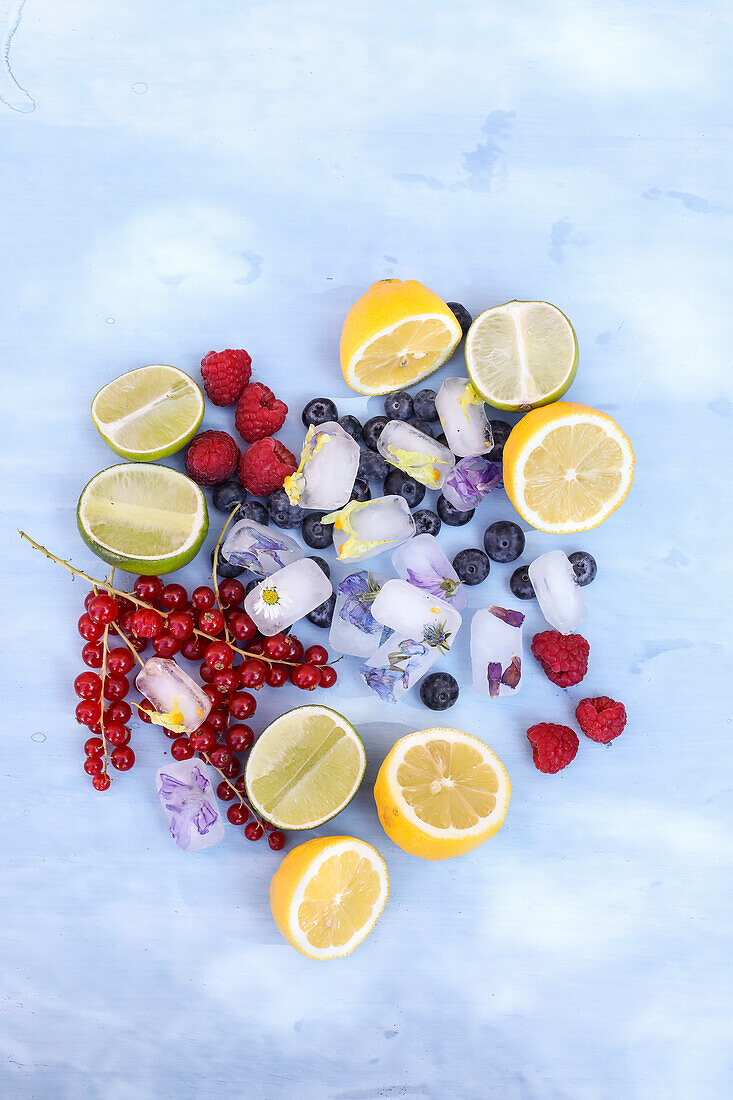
182	176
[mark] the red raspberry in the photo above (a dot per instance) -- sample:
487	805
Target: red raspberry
553	747
601	719
564	657
259	413
265	465
211	457
225	374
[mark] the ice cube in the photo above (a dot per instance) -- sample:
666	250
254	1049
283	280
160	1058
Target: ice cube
558	594
462	414
364	529
423	563
410	611
286	596
496	651
186	791
397	666
354	629
258	548
419	455
469	481
179	703
327	469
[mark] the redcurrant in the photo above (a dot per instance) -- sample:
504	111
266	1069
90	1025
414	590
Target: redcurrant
253	831
88	685
116	687
220	755
93	765
120	711
316	655
103	609
120	661
181	749
239	738
180	626
242	705
328	676
231	592
93	746
217	719
206	673
89	630
101	782
203	739
193	648
165	645
211	622
93	654
148	588
252	673
88	712
144	711
123	758
147	623
295	648
276	840
203	598
255	648
238	814
218	655
231	771
276	648
226	680
210	691
116	733
242	626
225	792
306	677
276	676
174	597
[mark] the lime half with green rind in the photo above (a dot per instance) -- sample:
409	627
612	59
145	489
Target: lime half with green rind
148	413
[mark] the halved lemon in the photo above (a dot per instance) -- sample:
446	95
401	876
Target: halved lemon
396	334
521	355
327	895
441	793
567	467
149	412
143	518
305	767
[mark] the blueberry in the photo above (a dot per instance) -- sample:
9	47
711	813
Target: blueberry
423	426
439	690
500	430
503	541
225	568
423	405
322	564
464	318
316	534
451	515
372	466
520	583
255	511
228	494
426	522
373	430
323	614
361	490
472	566
398	406
251	584
351	425
318	411
398	483
584	565
282	512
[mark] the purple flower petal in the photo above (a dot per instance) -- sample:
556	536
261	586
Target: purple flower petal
472	478
512	673
494	677
508	616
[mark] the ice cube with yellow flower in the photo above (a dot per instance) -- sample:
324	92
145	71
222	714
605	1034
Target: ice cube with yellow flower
463	416
327	468
363	529
179	703
418	454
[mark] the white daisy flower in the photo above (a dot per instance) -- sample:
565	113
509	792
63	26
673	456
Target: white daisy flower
271	603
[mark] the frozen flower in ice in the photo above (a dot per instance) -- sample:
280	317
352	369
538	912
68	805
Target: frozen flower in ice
270	602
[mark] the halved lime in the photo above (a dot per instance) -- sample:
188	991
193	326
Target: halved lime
143	518
305	767
521	355
149	412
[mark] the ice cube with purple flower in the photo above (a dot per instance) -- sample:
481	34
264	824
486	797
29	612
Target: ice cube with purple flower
354	629
469	482
422	562
397	666
263	551
497	651
186	792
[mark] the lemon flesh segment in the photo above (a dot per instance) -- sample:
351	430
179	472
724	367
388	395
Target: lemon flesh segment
327	895
142	517
148	413
521	355
403	354
441	792
305	767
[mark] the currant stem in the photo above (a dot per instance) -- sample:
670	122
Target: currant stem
215	567
105	652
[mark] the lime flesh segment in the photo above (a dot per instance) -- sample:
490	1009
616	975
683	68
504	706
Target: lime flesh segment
148	413
143	518
521	355
305	767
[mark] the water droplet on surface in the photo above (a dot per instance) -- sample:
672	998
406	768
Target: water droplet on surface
110	320
140	88
38	737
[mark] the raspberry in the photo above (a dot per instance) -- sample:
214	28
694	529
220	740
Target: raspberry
553	747
564	657
211	457
601	719
265	465
225	374
259	413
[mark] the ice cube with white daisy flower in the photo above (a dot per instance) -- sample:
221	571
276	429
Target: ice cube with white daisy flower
418	454
281	599
423	563
187	794
558	592
363	529
496	651
354	629
179	703
463	416
469	482
327	468
263	551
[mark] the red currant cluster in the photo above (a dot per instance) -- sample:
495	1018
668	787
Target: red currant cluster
206	628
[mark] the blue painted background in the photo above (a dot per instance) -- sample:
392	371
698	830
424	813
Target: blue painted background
182	176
